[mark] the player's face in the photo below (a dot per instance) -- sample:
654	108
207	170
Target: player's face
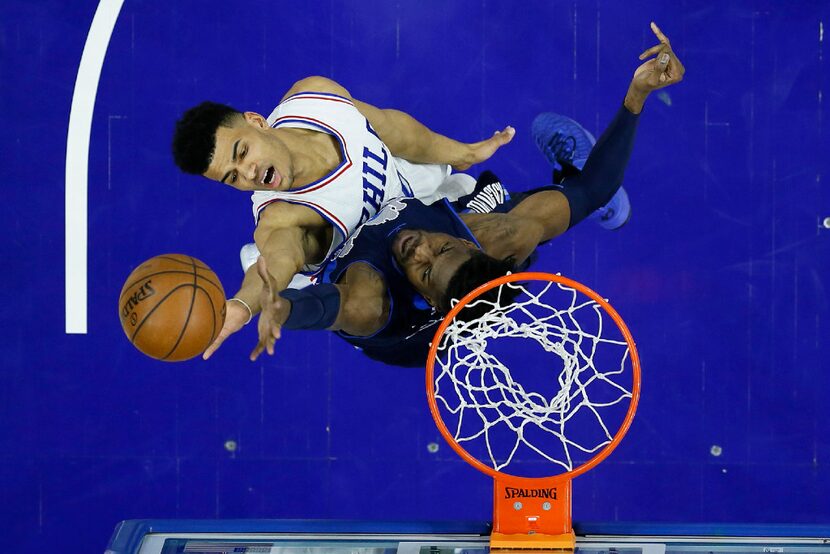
249	156
430	259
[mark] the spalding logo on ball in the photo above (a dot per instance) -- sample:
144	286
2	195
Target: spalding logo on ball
172	307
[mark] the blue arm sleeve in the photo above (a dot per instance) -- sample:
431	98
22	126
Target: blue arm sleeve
314	307
603	172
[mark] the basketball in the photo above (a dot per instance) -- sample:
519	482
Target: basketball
172	307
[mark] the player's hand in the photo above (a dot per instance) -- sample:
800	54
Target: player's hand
478	152
662	70
236	316
275	310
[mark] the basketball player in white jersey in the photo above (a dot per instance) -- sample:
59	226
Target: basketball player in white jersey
320	165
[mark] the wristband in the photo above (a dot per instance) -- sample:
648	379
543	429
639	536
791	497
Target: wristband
250	312
314	307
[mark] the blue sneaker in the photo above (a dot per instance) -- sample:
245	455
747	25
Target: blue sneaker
561	139
564	141
615	213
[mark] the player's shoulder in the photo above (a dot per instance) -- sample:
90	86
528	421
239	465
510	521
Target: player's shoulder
317	83
365	277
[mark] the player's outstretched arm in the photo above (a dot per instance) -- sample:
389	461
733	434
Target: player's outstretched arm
358	305
287	235
281	258
547	214
406	137
239	309
516	234
283	250
411	140
603	172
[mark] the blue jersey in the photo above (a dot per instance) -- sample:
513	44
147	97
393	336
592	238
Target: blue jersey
405	337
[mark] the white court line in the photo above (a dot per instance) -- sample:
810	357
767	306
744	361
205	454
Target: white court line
77	161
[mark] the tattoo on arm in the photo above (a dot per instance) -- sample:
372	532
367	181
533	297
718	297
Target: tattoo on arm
497	233
512	235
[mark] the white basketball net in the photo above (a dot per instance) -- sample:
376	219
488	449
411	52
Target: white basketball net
475	385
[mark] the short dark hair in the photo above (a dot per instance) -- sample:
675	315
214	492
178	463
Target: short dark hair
195	137
476	271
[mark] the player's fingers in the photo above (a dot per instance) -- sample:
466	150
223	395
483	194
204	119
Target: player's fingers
659	64
506	134
256	352
485	148
659	34
674	71
663	59
677	66
211	349
214	346
264	345
651	51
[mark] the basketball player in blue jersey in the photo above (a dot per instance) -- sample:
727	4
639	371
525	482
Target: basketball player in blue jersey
320	165
399	272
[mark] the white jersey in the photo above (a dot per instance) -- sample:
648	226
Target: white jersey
368	176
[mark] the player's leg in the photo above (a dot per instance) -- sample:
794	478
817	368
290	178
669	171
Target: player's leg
566	145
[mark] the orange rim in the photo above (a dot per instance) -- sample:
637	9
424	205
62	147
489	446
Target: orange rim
534	276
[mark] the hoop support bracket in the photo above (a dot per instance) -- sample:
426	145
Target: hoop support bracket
532	514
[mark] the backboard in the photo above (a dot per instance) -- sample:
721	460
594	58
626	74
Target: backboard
355	537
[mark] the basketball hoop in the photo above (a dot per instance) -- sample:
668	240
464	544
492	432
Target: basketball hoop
546	425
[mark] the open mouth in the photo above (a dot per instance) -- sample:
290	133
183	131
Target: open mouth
269	175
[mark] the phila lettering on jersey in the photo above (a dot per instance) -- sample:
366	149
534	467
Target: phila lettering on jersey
368	175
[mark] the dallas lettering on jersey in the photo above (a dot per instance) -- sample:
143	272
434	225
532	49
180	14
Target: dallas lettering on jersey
513	492
374	177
